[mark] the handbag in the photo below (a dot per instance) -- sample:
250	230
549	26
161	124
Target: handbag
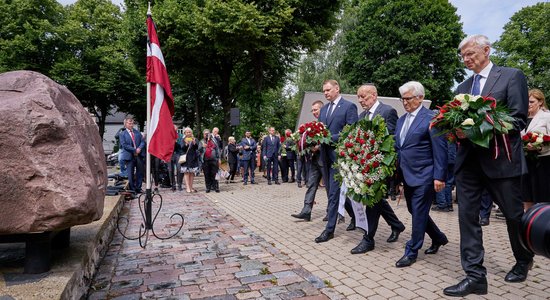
183	157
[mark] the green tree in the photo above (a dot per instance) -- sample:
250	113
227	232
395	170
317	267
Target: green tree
93	63
235	46
525	44
392	42
28	34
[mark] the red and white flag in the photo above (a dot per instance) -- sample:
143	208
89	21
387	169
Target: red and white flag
160	128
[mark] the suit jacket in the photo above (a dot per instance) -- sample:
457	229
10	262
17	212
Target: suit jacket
387	112
507	86
343	114
249	154
128	149
290	154
423	156
271	147
540	123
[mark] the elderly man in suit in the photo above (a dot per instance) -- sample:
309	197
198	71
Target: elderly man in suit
335	115
477	168
271	146
133	145
422	164
368	98
248	148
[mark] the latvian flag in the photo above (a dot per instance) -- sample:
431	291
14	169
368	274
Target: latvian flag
161	129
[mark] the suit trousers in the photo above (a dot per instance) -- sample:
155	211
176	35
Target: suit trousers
272	166
210	168
283	165
302	168
506	192
249	165
419	200
332	186
312	183
383	209
175	171
135	169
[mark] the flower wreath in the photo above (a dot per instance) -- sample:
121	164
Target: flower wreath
365	160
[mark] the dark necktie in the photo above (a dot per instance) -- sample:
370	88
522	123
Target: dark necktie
369	115
476	86
330	109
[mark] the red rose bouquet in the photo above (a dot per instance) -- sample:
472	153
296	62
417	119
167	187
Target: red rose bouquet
533	141
309	135
365	159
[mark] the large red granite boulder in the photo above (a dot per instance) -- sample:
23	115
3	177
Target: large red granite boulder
52	167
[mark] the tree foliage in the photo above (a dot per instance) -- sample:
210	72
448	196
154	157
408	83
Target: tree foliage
525	44
392	42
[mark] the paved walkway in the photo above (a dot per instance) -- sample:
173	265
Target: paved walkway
215	256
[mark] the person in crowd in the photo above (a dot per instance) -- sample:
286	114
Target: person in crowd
155	168
232	153
335	115
315	172
444	199
121	162
302	170
216	135
536	187
422	166
190	148
211	161
174	169
133	145
271	146
368	98
288	158
248	149
477	168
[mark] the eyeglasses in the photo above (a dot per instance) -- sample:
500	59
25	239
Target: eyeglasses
403	99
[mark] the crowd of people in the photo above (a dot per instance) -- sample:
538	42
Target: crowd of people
428	166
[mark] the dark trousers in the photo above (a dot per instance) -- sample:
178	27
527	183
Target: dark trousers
486	205
283	164
332	186
135	170
249	166
210	168
506	192
302	169
312	183
382	208
419	200
232	170
155	169
272	166
290	165
175	171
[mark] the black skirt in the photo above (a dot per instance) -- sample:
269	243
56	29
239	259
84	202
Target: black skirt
536	184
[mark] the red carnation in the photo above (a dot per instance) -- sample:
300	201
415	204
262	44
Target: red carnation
372	142
546	138
369	156
342	153
375	164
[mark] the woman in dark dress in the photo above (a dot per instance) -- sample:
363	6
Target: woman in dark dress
232	152
190	147
535	183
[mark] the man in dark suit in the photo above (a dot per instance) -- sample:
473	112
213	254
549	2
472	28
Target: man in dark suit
368	98
248	148
335	115
133	145
271	146
288	158
422	164
477	168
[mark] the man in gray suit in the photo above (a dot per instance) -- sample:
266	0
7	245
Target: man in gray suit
477	168
368	98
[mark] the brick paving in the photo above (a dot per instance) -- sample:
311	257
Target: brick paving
243	244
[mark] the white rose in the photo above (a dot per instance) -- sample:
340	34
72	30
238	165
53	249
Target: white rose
357	190
468	121
475	98
359	176
539	140
460	97
354	168
464	105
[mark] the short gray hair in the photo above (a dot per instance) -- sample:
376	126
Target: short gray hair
477	39
412	86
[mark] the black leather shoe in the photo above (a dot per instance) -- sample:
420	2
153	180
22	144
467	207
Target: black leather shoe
394	235
299	184
363	247
341	219
269	182
244	183
405	261
217	190
518	272
325	219
253	182
484	221
434	248
466	287
325	236
208	190
277	182
302	216
351	225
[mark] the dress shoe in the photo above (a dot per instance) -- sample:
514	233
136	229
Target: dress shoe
299	184
405	261
208	190
435	247
363	247
217	190
518	272
442	209
292	180
351	225
269	182
325	236
394	235
277	182
245	183
341	219
484	221
325	219
302	216
253	182
466	287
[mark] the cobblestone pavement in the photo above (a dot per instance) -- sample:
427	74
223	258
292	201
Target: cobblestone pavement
242	243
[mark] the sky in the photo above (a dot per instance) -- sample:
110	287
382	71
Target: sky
486	17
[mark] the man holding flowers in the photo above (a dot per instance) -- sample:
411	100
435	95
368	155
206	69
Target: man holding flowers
422	165
497	168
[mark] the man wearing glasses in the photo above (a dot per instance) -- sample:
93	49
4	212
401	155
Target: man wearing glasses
422	165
